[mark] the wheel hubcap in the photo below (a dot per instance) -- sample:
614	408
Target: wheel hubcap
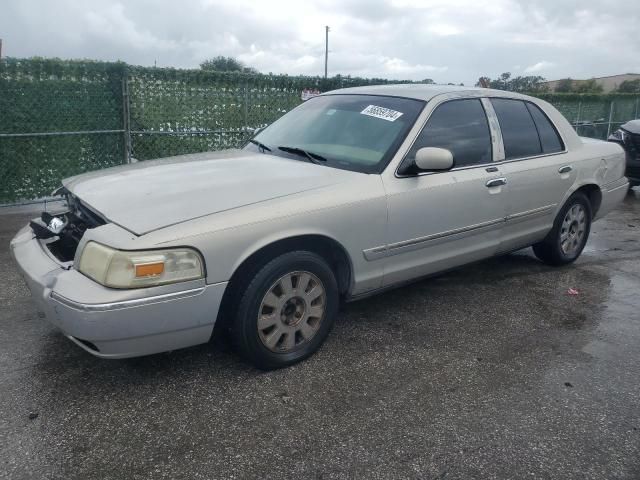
573	229
291	311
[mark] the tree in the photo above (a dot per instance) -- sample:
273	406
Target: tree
629	86
564	86
428	81
532	83
502	83
516	84
567	85
587	86
226	64
483	82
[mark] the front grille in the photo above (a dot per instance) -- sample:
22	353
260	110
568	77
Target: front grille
78	220
65	246
88	216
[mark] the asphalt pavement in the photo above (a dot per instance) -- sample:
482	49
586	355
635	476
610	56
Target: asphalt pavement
492	371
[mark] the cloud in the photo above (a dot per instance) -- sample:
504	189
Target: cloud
444	29
447	40
538	67
112	25
399	66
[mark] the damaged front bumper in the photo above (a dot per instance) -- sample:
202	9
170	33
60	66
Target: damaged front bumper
112	323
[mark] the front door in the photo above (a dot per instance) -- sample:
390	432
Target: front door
439	220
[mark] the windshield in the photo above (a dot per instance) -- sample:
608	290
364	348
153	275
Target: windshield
352	132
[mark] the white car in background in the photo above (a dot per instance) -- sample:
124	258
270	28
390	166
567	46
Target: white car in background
351	193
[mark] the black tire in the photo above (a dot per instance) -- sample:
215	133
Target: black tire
550	249
244	328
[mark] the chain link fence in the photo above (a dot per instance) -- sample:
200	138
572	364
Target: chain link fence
187	113
594	115
59	118
57	121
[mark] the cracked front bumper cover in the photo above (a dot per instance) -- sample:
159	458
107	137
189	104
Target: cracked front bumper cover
113	323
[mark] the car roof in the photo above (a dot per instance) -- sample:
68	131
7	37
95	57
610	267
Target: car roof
421	91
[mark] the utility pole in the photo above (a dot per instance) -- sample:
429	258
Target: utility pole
326	49
1	50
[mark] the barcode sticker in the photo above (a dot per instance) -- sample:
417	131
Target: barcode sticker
382	113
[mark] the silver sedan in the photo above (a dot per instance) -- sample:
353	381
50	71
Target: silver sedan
351	193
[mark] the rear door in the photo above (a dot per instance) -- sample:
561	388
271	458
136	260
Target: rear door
438	220
536	169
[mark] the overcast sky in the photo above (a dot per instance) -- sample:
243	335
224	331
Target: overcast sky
446	40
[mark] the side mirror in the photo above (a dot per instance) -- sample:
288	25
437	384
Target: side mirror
432	158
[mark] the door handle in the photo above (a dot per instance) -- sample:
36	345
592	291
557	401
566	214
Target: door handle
496	182
565	169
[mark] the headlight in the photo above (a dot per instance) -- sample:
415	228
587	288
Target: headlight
619	135
135	269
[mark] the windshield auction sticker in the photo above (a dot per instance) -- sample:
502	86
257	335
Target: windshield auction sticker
381	112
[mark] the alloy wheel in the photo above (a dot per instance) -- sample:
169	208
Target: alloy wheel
291	311
573	229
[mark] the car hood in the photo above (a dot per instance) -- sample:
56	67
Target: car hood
632	126
150	195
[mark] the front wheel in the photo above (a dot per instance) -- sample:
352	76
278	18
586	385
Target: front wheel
569	234
286	311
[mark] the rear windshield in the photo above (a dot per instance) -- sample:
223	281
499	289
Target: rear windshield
352	132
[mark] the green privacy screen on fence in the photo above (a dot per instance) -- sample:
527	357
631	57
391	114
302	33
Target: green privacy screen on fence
60	118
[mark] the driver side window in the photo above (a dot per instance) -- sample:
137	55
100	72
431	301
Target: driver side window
461	127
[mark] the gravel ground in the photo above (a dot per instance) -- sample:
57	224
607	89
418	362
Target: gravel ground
491	371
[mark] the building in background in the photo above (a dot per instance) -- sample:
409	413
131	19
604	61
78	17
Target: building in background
609	84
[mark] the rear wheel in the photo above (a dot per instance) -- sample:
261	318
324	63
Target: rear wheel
569	234
286	311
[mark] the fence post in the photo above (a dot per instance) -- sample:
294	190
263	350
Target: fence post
126	118
610	118
637	100
245	119
577	121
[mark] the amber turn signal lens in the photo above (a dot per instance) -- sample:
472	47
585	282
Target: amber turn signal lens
149	269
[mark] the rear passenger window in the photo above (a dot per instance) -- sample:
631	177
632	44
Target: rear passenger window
548	135
461	127
519	133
